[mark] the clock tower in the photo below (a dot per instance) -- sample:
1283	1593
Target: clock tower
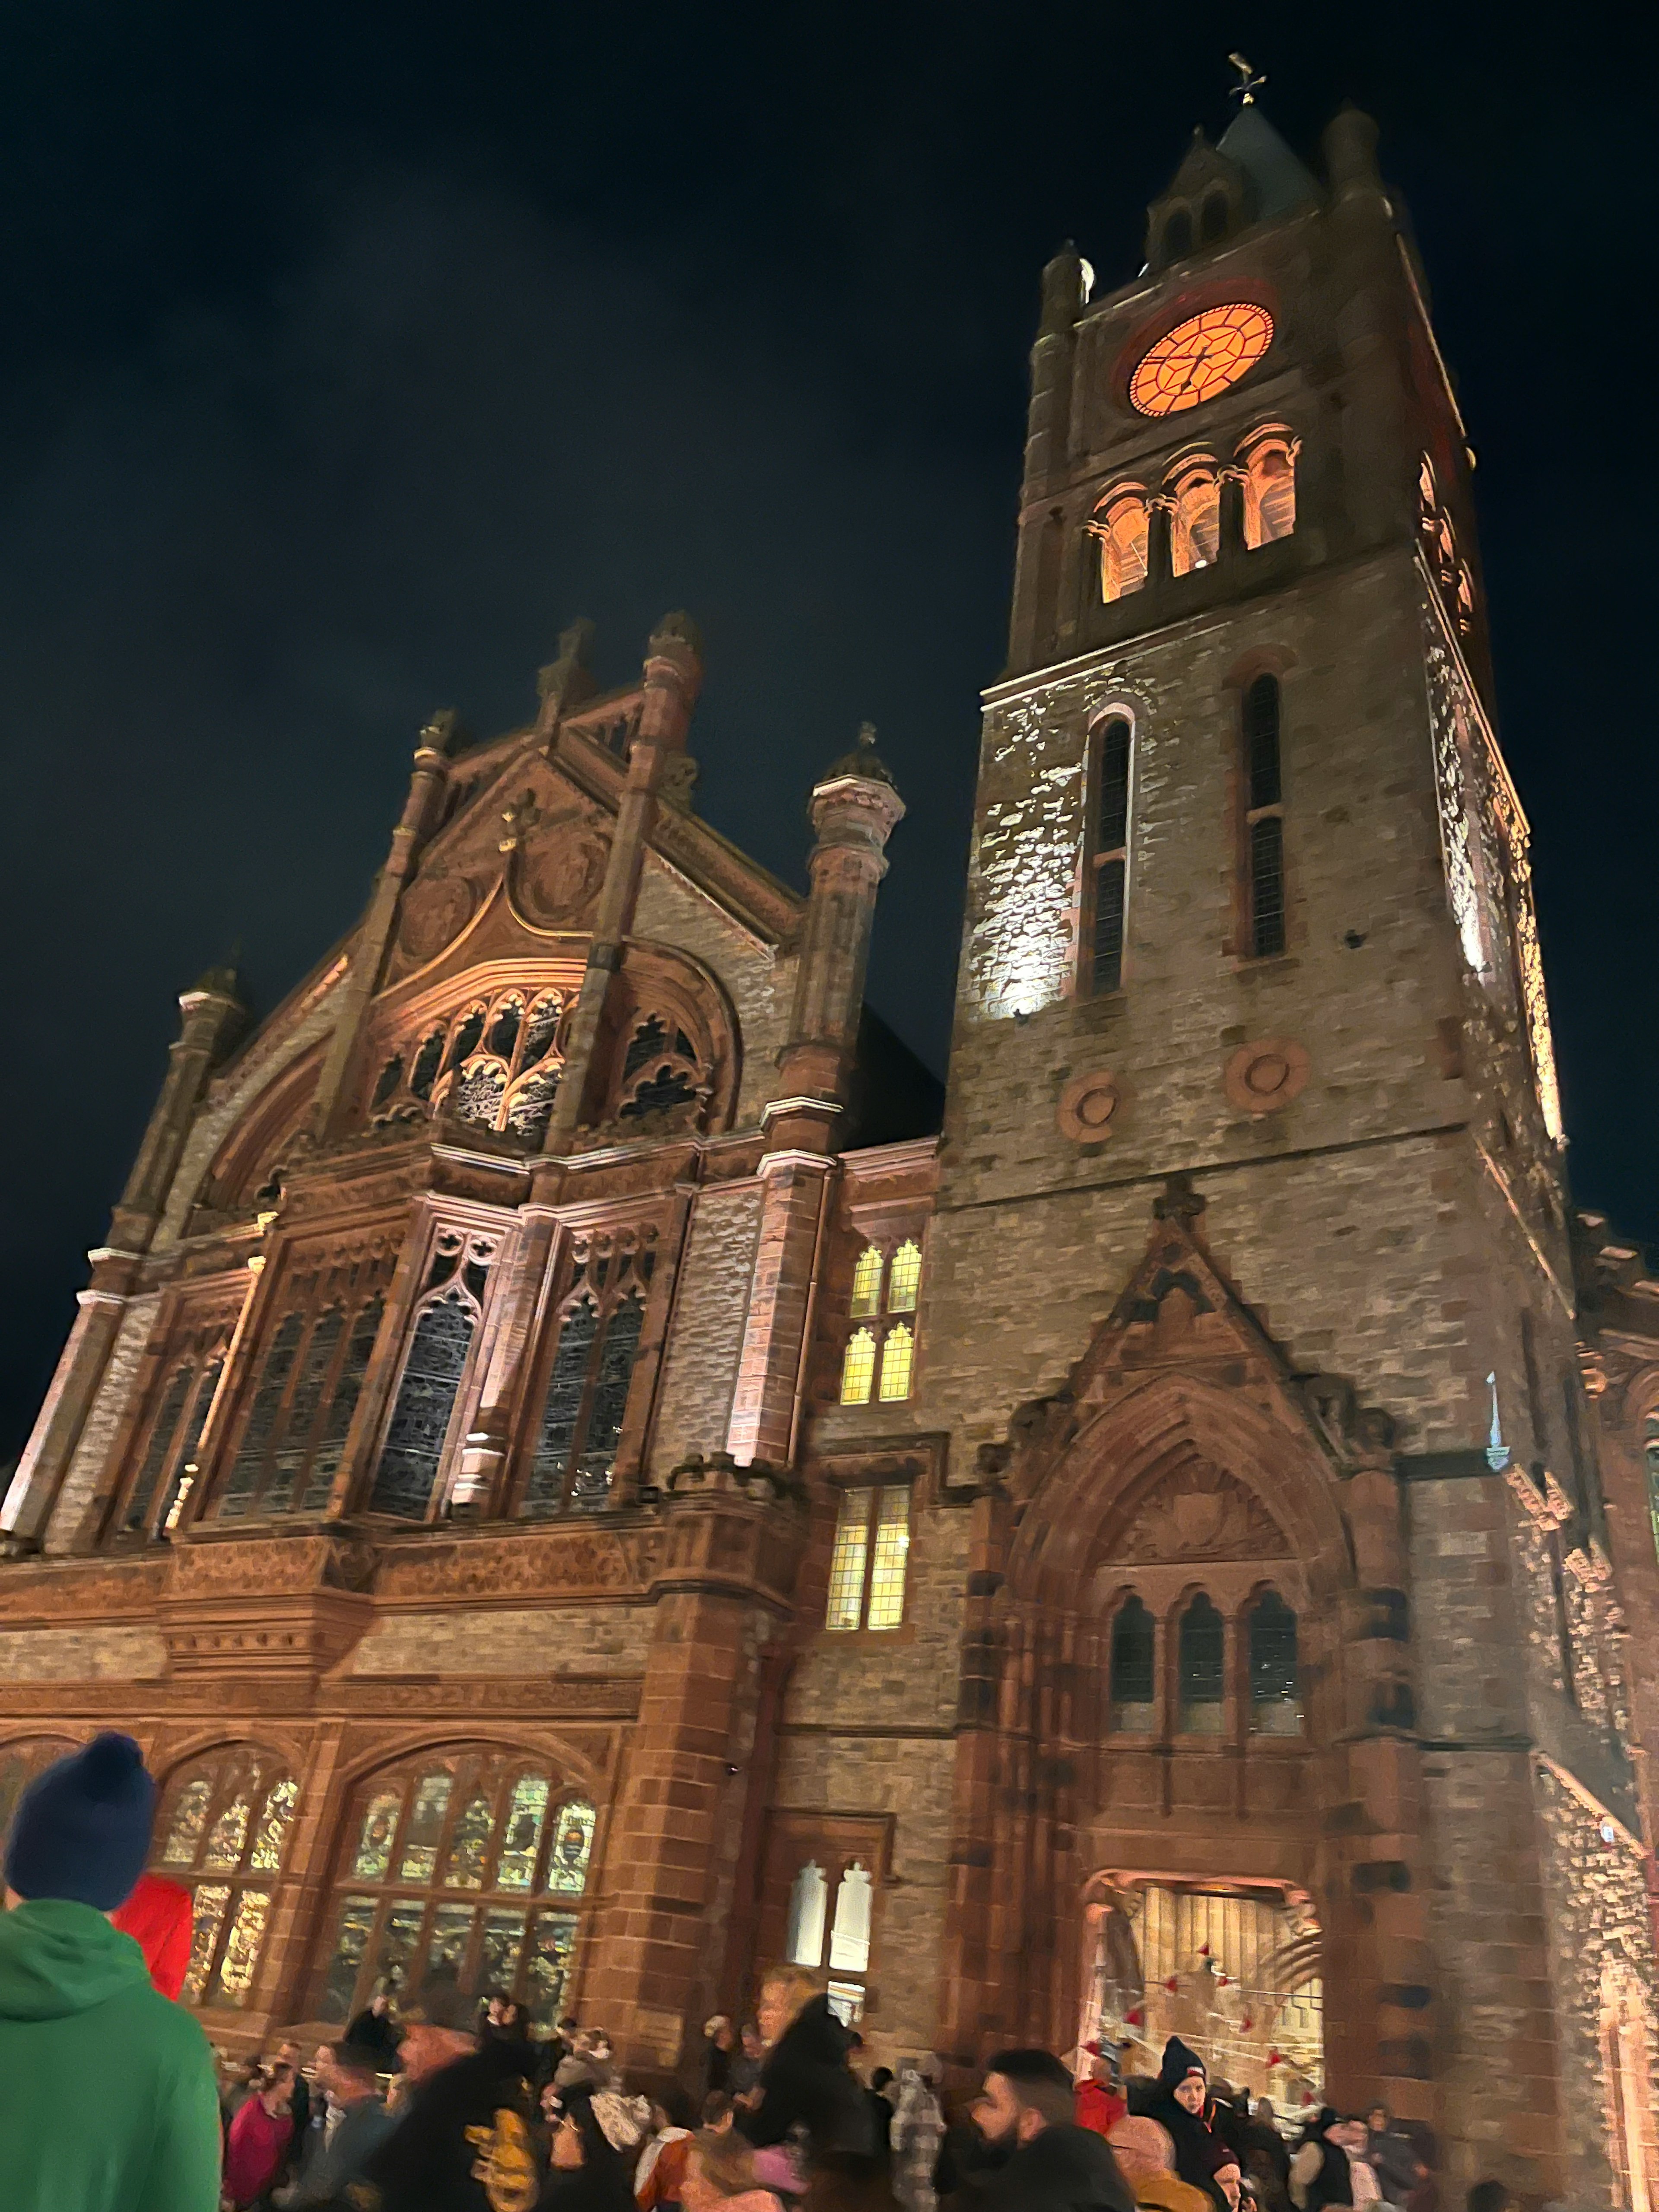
1288	1632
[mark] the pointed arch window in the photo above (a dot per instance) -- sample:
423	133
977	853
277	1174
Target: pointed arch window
223	1832
662	1071
1133	1669
1107	888
1268	462
408	1476
494	1063
595	1344
1275	1677
1264	818
1121	529
1202	1669
879	1355
809	1905
292	1441
166	1461
1195	520
467	1866
820	1890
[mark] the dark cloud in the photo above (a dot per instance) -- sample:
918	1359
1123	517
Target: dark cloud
348	359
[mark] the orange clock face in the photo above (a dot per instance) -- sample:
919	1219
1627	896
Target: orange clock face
1201	357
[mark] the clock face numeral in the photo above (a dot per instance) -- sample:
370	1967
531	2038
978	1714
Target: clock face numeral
1201	357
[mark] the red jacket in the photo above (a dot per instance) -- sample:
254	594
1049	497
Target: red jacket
1097	2109
157	1916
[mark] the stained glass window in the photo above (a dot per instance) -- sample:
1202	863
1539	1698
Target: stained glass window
858	1369
904	1283
1275	1687
866	1281
1132	1669
572	1844
866	1577
897	1353
892	1550
161	1435
1201	1673
589	1384
407	1474
419	1859
336	1424
224	1825
472	1820
552	1946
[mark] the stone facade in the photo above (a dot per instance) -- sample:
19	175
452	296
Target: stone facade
1177	1550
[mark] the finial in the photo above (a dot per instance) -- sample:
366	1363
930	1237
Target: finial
440	733
1178	1200
867	734
1250	83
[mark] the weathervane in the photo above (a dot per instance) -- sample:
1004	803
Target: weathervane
1249	83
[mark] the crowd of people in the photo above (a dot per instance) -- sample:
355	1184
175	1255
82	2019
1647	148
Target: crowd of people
454	2104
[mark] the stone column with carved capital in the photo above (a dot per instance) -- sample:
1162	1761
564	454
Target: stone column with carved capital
421	812
211	1014
733	1540
673	677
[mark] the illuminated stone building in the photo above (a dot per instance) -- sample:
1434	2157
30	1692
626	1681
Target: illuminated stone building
577	1486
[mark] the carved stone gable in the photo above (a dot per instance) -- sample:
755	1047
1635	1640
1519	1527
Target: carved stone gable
1198	1512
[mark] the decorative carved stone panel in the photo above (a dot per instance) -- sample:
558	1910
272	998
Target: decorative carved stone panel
1200	1512
435	910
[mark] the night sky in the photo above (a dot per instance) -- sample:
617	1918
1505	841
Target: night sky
351	351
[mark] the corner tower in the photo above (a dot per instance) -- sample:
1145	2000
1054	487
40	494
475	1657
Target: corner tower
1288	1628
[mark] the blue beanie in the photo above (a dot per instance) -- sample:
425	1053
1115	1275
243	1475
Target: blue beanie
82	1830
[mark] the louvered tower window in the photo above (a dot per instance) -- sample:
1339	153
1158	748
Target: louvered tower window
1264	819
1109	855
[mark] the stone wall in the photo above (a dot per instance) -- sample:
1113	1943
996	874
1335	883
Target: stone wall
760	984
110	1409
85	1653
700	1366
550	1639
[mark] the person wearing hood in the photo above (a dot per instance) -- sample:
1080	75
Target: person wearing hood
805	2080
79	2015
1181	2105
1321	2171
1044	2161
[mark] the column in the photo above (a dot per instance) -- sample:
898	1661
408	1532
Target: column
673	677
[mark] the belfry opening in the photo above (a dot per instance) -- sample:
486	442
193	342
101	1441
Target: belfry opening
1234	1968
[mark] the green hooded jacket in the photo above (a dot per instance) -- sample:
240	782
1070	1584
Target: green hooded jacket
107	2097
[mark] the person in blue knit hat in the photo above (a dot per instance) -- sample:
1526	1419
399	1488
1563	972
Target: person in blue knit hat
107	2097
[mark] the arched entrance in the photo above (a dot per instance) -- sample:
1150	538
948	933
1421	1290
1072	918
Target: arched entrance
1233	1968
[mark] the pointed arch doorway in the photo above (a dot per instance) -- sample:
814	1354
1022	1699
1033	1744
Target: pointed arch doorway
1235	1968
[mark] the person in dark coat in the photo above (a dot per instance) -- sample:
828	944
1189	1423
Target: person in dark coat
375	2029
1182	2103
1393	2156
595	2145
465	2140
720	2041
1320	2171
807	2082
1041	2160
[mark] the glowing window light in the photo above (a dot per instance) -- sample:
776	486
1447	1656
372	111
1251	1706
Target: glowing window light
845	1601
904	1282
858	1369
866	1282
892	1552
898	1357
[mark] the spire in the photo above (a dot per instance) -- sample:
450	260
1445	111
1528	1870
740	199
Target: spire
1280	181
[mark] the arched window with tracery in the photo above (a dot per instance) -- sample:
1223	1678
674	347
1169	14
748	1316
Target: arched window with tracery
595	1343
662	1070
1268	462
879	1356
407	1476
291	1443
1133	1669
20	1762
223	1832
1200	1672
1264	818
467	1866
1120	528
1195	518
1275	1676
1106	890
162	1469
494	1062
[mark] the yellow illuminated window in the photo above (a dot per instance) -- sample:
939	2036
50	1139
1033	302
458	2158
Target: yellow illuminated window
866	1282
1195	523
1121	525
858	1368
847	1564
905	1280
887	1566
867	1574
896	1355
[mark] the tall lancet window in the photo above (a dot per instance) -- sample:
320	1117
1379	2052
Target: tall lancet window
1109	858
1264	819
411	1463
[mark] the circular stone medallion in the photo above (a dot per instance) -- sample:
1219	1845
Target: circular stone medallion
1262	1077
1087	1106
